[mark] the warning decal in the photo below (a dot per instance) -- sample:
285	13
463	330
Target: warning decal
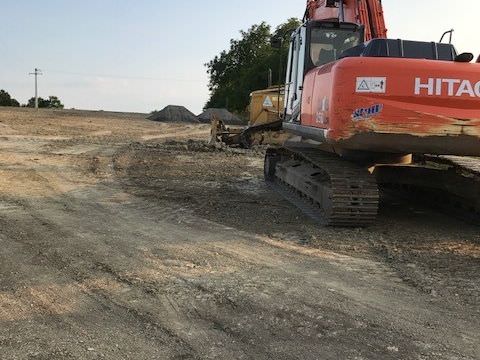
371	85
268	102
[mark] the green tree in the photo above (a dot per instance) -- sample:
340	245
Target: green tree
236	72
53	102
7	100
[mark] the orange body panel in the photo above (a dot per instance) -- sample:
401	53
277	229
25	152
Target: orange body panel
422	99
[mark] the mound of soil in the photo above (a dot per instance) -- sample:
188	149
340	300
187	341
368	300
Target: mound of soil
174	114
222	114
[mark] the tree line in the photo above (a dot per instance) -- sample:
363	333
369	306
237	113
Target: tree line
246	65
53	102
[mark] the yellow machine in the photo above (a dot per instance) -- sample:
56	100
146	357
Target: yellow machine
266	105
266	108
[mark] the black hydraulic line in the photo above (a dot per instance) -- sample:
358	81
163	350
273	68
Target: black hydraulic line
341	12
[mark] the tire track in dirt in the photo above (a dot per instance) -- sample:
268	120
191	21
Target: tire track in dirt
158	251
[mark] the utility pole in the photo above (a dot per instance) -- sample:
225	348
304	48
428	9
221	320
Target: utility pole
36	73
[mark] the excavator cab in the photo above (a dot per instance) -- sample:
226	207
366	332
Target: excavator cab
315	44
327	43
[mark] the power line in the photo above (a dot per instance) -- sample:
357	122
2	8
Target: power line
110	76
36	73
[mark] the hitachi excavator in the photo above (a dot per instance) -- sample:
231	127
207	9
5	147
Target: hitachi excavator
370	111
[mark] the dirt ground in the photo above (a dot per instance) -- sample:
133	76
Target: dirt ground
122	238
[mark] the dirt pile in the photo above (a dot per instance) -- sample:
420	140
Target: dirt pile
222	114
174	114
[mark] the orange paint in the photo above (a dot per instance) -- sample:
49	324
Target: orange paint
365	103
403	111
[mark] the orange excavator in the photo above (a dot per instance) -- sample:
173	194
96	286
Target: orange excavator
370	111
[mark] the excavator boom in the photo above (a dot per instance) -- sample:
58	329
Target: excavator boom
368	13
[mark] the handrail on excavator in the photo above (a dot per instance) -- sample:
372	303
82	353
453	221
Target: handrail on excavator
446	33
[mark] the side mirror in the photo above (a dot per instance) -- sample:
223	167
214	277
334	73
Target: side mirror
464	57
276	42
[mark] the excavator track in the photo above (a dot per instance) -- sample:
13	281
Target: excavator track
449	183
327	188
467	164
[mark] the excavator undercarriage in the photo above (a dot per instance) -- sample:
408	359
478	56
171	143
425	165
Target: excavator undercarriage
449	183
337	192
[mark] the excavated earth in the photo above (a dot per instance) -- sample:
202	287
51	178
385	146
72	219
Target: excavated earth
122	238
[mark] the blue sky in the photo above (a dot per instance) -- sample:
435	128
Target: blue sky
140	55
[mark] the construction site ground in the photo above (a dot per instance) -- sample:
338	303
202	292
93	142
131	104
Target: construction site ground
122	238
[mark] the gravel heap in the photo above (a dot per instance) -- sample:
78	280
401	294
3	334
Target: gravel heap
174	114
222	114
